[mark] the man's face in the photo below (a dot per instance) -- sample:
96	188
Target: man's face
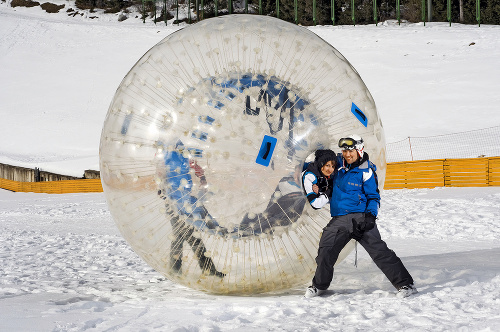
350	156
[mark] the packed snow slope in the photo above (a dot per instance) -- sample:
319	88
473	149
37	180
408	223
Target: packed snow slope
65	267
58	75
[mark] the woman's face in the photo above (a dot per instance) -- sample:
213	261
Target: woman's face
328	168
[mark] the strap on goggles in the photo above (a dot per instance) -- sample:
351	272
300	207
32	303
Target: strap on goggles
347	143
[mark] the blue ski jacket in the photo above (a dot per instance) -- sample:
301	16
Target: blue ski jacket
179	189
179	181
355	189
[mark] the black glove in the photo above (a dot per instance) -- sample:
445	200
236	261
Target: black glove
324	187
357	233
368	223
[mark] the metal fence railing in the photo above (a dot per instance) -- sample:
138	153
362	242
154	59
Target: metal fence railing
317	12
468	144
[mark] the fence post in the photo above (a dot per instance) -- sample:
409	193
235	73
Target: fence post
488	170
353	13
154	4
230	6
143	12
423	11
216	7
260	7
278	8
446	173
177	11
398	12
197	5
333	11
314	12
448	11
164	11
246	6
411	151
295	5
478	12
375	18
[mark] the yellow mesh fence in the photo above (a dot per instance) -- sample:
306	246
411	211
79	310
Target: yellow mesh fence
474	172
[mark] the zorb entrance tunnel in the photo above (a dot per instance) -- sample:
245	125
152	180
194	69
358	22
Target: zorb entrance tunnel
203	145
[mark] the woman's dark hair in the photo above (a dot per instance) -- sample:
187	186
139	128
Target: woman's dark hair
321	157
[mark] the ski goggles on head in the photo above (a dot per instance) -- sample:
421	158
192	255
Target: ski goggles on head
347	143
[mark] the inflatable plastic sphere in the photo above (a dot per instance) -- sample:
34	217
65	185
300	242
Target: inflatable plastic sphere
204	142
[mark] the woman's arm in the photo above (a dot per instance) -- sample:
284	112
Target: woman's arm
316	199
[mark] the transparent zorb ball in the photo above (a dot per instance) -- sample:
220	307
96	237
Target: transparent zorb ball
204	142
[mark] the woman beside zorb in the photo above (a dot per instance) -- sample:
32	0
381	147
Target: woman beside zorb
349	182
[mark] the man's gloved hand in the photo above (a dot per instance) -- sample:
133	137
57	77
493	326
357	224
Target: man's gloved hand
357	233
368	223
328	192
324	187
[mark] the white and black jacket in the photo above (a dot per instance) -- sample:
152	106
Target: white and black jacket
313	176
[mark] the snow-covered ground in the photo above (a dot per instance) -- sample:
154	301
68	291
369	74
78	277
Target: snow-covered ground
65	267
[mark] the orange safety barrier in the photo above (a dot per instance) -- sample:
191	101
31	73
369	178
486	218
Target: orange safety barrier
475	172
54	187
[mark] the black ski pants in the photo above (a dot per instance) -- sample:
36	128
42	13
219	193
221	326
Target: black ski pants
338	233
184	232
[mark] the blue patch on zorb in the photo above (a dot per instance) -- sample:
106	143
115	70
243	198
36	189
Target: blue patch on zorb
206	119
199	135
359	114
266	150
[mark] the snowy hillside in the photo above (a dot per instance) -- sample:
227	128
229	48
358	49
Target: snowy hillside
65	267
58	75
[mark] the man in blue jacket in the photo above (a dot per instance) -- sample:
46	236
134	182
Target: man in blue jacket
354	207
186	214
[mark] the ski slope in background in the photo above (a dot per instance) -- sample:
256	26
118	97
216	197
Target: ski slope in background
58	75
65	267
